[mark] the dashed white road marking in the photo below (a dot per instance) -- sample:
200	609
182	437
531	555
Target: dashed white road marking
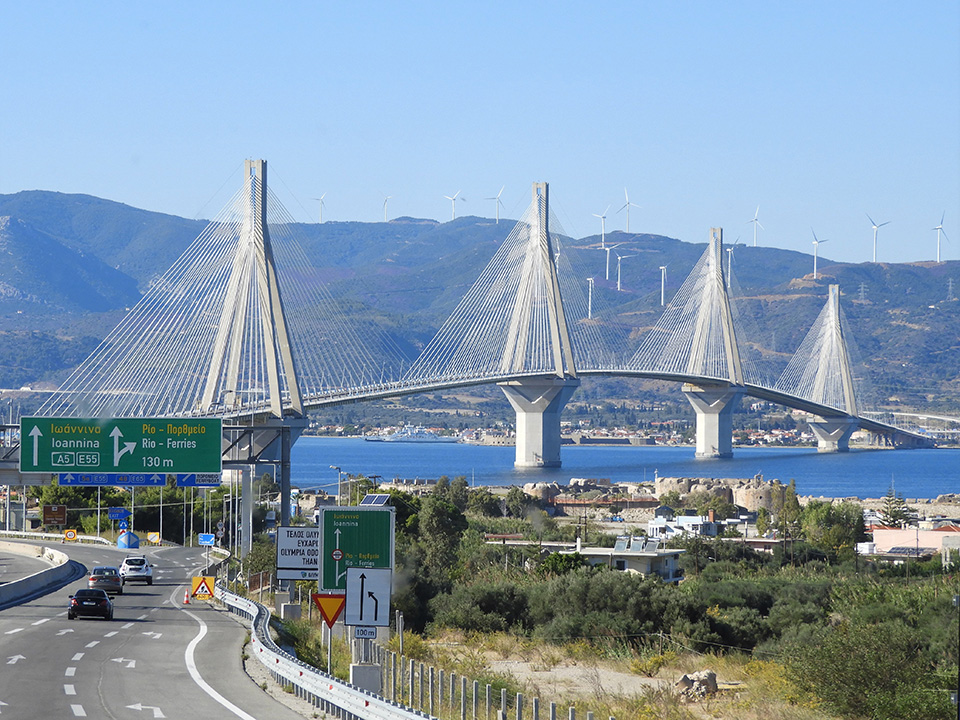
78	711
41	622
125	626
78	657
92	644
11	632
71	671
111	633
69	690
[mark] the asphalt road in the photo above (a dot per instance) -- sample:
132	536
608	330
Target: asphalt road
15	567
158	658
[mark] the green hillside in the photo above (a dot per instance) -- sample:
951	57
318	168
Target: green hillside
74	263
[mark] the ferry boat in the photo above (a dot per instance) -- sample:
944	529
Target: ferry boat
417	434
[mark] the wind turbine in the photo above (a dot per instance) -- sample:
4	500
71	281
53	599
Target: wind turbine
453	204
320	200
498	203
589	298
816	246
385	198
939	229
756	224
619	258
603	229
608	249
875	228
626	206
663	285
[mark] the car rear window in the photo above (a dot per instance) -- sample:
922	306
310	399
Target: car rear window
104	571
89	593
135	562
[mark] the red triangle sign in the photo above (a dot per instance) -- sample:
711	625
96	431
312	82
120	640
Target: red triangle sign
330	606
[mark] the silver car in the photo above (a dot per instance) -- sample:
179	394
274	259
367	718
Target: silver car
106	578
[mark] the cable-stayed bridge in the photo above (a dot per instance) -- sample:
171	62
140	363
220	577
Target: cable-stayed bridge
242	327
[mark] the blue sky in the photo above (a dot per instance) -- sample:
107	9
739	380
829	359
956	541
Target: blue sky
817	112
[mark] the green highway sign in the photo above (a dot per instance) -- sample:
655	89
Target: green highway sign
358	537
120	445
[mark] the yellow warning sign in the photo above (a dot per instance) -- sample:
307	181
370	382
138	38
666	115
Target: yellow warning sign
330	606
202	588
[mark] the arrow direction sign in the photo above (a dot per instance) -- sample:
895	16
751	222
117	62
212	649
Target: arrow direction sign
366	587
156	711
356	537
154	635
118	452
14	659
93	446
36	434
130	663
118	513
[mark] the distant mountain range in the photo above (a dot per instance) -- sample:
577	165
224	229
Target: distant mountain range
73	264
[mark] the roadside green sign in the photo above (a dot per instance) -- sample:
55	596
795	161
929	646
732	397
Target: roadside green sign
120	445
360	537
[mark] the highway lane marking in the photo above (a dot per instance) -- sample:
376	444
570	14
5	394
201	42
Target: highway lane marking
69	690
188	657
41	622
71	671
11	632
128	625
78	657
111	633
142	617
78	711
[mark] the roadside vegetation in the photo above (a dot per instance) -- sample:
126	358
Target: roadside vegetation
809	631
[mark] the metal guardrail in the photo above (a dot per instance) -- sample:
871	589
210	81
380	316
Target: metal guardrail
330	694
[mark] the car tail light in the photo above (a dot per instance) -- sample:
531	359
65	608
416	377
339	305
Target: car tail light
73	601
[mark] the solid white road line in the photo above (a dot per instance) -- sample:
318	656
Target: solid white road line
188	657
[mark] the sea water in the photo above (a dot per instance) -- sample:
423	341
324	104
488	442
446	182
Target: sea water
920	473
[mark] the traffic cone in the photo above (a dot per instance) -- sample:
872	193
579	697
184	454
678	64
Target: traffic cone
186	597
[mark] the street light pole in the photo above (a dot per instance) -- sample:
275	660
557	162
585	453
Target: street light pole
339	480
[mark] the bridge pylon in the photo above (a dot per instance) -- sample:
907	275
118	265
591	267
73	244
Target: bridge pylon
714	352
832	378
253	307
539	400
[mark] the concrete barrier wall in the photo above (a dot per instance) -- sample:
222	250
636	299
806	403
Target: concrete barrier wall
60	572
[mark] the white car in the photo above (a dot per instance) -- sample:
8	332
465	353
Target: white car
136	568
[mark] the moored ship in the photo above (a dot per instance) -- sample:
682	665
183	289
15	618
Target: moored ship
416	434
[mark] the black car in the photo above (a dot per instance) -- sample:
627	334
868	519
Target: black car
92	602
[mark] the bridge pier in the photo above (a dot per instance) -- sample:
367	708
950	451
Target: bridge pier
714	405
833	434
538	403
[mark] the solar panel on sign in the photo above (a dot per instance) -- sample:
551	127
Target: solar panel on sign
376	499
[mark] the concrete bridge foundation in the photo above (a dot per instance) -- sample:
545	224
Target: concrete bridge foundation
833	434
714	405
538	403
